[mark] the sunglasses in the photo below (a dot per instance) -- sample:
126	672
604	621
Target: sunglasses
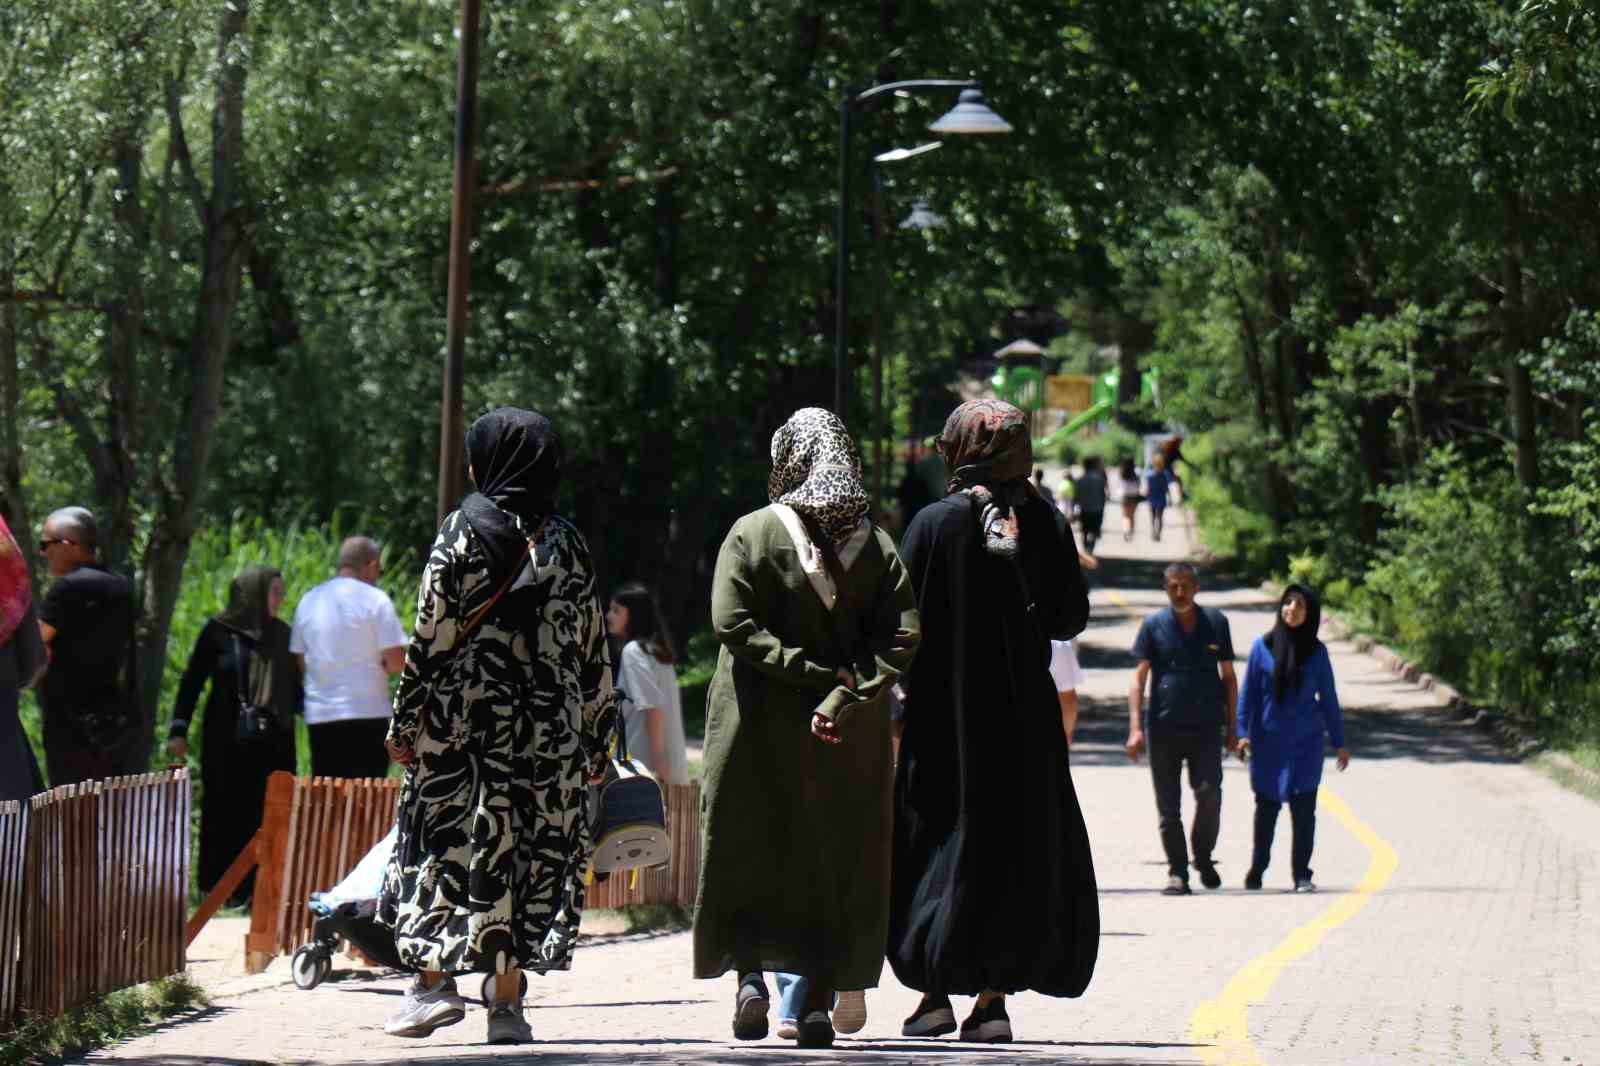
44	545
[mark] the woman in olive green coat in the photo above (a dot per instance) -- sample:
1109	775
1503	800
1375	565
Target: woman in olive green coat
817	619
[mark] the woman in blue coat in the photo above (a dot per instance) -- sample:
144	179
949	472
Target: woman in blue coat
1286	703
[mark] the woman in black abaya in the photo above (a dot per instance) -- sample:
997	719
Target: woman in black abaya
244	653
993	887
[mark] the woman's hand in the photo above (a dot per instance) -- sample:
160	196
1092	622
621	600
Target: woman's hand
398	752
825	729
1243	749
1343	755
178	748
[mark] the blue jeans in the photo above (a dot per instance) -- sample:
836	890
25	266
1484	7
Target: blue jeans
791	994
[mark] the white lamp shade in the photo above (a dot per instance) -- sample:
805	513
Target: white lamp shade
970	115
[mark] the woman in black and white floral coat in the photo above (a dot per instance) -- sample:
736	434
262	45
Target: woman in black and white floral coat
503	715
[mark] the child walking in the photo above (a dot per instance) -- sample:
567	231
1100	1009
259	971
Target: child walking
1287	704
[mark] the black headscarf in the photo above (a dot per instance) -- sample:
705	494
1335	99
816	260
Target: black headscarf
1293	647
247	601
516	462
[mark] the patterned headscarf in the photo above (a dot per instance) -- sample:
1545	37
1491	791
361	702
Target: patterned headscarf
989	450
817	471
15	592
986	442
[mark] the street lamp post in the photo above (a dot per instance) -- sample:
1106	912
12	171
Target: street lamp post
970	116
451	430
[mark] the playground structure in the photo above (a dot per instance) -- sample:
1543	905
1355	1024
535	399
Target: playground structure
1083	399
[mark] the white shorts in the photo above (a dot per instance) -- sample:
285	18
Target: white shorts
1064	666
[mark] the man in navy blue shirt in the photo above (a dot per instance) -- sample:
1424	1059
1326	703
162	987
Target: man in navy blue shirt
1185	652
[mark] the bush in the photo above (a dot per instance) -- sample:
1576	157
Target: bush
1461	583
1222	481
1112	445
102	1021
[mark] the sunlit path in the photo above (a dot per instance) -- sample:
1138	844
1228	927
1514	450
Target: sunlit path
1478	945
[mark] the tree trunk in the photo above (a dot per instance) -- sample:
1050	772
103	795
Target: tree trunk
114	478
1519	379
216	301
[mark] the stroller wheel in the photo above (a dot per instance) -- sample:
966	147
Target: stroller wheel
308	967
487	992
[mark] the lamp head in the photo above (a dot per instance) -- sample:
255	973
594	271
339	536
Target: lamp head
970	115
921	217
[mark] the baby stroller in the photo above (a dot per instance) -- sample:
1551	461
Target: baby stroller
346	912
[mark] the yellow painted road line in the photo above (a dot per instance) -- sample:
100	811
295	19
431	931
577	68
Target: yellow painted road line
1223	1024
1116	598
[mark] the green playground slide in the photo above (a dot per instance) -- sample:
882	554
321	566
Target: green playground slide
1093	413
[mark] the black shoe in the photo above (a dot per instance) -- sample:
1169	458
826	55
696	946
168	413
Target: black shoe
1208	875
815	1029
988	1025
1176	886
1252	880
933	1017
750	1005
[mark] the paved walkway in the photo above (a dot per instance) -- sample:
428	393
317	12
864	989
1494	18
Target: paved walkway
1458	922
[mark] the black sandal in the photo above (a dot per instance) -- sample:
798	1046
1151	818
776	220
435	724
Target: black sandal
750	1006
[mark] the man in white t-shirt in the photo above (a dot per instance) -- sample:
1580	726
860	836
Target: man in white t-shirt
348	640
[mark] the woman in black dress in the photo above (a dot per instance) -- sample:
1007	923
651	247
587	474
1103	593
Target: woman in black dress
244	653
993	887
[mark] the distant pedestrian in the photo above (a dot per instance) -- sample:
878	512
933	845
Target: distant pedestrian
645	673
91	711
348	639
1158	484
1287	705
244	654
1044	490
912	495
1089	495
994	889
1185	652
1129	494
22	662
504	714
817	619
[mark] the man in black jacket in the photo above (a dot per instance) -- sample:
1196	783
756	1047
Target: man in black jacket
86	619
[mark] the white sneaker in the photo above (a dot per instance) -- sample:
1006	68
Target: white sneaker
506	1024
427	1009
850	1012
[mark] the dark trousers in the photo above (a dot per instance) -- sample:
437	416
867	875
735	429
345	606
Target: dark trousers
1091	521
1202	750
1303	818
352	748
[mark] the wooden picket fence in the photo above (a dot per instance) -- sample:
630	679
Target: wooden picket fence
314	831
103	873
13	855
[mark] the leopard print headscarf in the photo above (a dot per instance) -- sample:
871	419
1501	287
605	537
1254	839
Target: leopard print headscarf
817	471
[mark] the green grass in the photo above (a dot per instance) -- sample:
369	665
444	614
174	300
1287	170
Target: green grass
100	1022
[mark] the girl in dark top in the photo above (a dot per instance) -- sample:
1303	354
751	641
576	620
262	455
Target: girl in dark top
244	653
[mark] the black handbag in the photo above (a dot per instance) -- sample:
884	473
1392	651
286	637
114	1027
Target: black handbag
630	826
255	722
